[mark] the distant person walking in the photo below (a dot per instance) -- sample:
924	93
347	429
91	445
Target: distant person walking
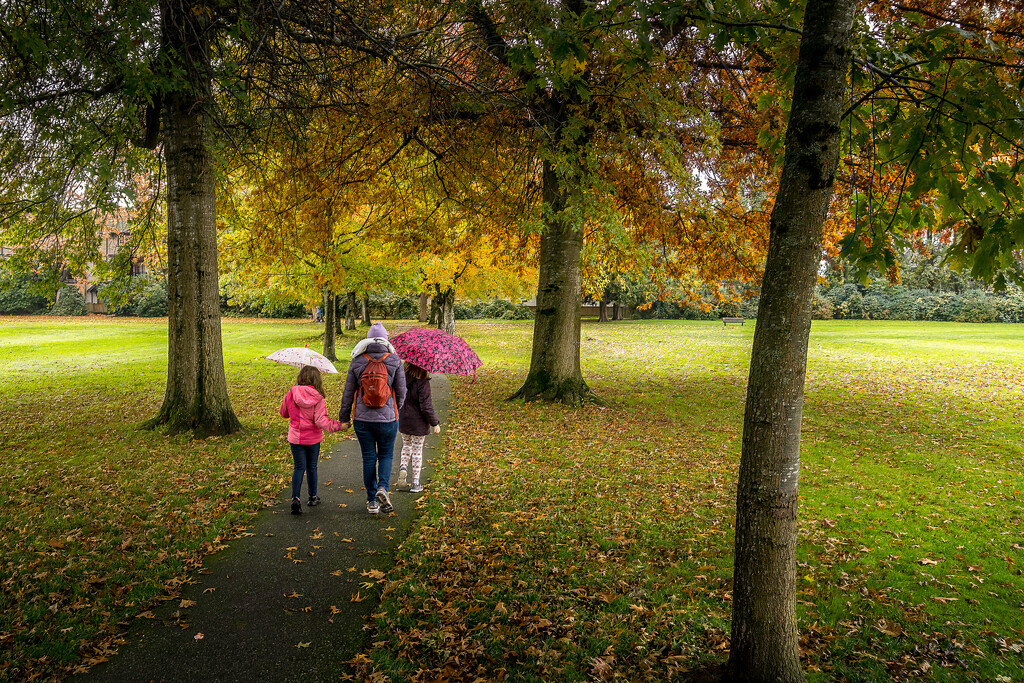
415	421
306	408
375	386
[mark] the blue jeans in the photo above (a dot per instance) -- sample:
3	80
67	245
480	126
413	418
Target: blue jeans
377	442
305	456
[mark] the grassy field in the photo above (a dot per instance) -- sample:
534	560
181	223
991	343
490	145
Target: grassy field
556	544
596	544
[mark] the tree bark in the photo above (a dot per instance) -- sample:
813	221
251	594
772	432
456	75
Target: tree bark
366	310
616	311
765	637
434	315
338	331
603	314
424	300
350	312
196	398
445	309
330	313
555	373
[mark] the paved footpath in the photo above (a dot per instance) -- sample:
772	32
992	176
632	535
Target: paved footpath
277	605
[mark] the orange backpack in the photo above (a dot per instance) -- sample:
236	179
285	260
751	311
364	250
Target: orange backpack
374	383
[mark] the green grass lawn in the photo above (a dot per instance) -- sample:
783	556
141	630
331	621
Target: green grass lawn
556	544
567	545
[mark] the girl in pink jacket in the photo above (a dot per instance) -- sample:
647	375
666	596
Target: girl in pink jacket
306	407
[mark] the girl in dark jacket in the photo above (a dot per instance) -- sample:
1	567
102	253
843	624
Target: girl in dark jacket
415	420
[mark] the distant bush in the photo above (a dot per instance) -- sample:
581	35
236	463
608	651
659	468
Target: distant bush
822	308
729	309
153	300
499	309
748	307
975	307
385	306
69	302
1010	308
17	296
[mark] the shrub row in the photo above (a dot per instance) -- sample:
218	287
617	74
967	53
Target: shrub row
851	301
498	309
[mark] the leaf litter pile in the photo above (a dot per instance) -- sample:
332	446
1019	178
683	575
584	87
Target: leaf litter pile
561	544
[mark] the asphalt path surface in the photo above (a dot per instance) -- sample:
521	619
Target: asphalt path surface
285	601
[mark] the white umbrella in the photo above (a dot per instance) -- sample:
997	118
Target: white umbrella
299	356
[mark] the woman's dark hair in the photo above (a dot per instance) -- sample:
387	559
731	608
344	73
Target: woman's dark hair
309	376
415	371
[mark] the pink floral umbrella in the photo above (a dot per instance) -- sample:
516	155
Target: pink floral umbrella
299	356
436	351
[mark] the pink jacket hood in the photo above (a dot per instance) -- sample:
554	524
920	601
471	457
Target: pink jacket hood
305	396
306	410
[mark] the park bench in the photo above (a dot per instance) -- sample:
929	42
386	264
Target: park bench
726	321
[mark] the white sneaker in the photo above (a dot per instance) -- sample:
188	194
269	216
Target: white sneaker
416	488
385	501
403	477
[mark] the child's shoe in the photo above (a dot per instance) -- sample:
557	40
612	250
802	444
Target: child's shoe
313	501
296	506
403	477
372	507
416	488
385	501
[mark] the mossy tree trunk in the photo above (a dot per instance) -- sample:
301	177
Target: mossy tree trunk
196	398
366	310
445	302
555	373
765	636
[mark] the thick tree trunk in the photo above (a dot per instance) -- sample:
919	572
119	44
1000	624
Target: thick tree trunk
445	310
765	639
555	373
196	398
366	310
424	300
330	312
616	311
603	314
338	331
350	312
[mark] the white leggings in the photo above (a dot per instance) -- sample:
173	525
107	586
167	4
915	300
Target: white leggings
412	450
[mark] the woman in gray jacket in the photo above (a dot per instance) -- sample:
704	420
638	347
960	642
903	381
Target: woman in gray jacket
375	426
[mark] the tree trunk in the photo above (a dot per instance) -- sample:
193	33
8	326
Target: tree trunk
366	310
445	310
616	311
196	398
330	311
424	300
555	373
603	314
434	316
350	312
338	331
765	638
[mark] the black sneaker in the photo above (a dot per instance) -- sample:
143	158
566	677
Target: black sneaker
372	507
296	506
313	501
385	501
